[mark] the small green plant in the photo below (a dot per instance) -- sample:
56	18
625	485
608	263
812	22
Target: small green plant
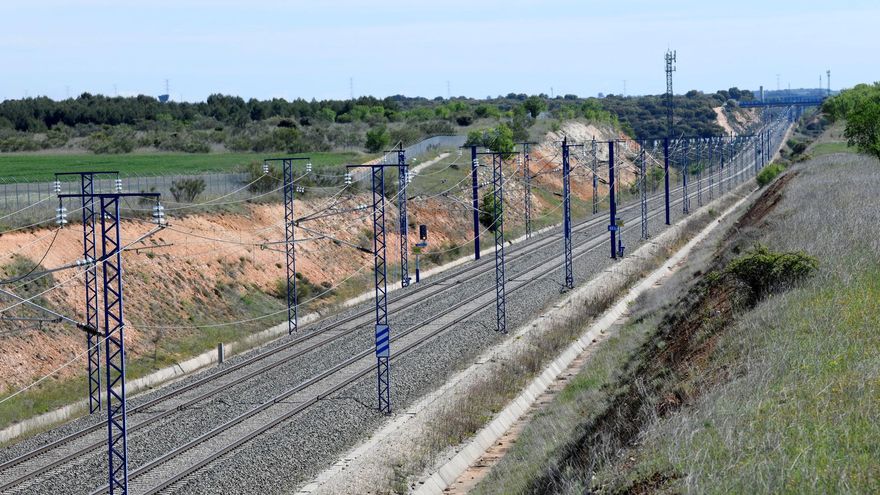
490	213
764	271
186	190
769	173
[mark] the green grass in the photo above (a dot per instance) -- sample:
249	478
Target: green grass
829	148
42	167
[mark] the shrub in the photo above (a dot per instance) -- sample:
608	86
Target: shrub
377	139
490	213
262	183
769	173
764	271
186	190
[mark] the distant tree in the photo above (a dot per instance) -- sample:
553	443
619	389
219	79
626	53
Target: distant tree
490	213
186	190
534	105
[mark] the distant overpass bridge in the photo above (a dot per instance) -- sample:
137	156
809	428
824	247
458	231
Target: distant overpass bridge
803	101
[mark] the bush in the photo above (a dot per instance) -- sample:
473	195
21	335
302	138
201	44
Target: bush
377	139
768	173
263	183
186	190
490	213
765	271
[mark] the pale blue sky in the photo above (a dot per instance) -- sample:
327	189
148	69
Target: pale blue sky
267	48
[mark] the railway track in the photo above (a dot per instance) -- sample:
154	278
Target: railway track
191	456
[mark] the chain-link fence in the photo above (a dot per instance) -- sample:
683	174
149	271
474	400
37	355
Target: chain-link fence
25	203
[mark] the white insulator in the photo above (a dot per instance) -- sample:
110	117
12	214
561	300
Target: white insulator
118	185
61	215
300	189
265	168
57	187
309	167
159	214
347	179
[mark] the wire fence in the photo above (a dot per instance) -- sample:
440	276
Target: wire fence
24	202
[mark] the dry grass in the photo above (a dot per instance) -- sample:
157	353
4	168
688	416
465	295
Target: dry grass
504	379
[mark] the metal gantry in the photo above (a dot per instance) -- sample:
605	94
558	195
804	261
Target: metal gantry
93	349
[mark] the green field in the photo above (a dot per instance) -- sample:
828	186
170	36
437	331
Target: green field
41	167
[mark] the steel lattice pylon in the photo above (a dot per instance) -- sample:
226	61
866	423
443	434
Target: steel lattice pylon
527	180
498	206
713	142
666	179
403	220
685	171
594	170
114	335
643	189
566	217
114	353
383	331
289	240
92	318
91	278
700	149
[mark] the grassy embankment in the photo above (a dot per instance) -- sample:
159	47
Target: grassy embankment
709	393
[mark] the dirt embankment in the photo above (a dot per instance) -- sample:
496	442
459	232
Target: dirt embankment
669	371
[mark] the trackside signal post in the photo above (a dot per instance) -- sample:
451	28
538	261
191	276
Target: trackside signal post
290	235
114	332
383	329
93	350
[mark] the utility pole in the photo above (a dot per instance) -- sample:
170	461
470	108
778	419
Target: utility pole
475	196
93	350
383	329
612	220
114	331
828	80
